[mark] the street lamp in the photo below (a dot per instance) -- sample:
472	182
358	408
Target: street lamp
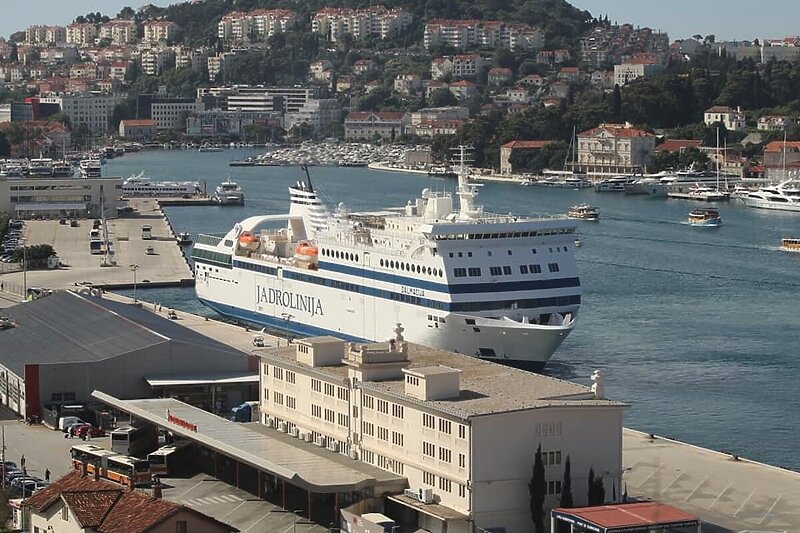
288	318
134	267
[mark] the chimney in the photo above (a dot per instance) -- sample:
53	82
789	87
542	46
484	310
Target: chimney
156	488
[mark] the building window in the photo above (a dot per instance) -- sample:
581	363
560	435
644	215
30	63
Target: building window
277	397
445	484
368	402
553	487
291	403
368	429
383	433
266	369
428	449
278	373
330	390
462	431
383	406
445	426
445	455
316	411
462	491
290	376
397	410
462	460
344	420
397	438
429	479
428	421
316	385
330	416
343	394
64	512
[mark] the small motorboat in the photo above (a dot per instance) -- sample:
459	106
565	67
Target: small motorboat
183	238
584	212
705	217
789	244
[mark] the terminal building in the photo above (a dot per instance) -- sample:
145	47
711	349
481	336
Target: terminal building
31	197
461	431
61	347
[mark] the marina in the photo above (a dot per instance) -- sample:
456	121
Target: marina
637	288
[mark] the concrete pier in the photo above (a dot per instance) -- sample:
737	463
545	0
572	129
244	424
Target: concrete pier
165	266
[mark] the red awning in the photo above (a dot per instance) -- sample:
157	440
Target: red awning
627	517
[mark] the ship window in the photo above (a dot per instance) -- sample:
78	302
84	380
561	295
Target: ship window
429	271
337	254
553	267
402	266
451	254
506	270
440	272
523	269
551	250
474	272
459	272
381	262
469	254
356	258
489	253
533	250
460	254
495	271
392	264
509	252
419	269
536	269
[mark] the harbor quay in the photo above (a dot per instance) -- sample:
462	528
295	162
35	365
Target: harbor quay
132	259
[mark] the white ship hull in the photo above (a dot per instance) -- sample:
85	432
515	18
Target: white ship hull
310	309
759	203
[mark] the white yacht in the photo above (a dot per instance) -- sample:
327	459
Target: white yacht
63	169
229	193
40	167
782	197
91	168
706	194
141	186
495	286
615	184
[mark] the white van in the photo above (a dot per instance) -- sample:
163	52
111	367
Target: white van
66	421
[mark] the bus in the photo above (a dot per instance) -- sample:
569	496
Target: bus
147	232
110	465
170	459
90	455
136	441
126	470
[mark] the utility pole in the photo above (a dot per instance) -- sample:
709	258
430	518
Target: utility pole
134	267
24	272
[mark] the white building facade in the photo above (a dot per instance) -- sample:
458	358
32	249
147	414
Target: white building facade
445	422
614	149
733	119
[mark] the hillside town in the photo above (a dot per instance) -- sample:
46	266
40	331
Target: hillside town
134	78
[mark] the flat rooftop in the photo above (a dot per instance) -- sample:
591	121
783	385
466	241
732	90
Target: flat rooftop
485	387
735	494
301	463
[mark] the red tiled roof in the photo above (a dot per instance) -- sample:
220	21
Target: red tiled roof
525	144
135	512
140	122
720	109
383	115
630	515
72	482
674	145
775	146
462	83
90	508
617	131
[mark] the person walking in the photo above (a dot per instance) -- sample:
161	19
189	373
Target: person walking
47	474
22	461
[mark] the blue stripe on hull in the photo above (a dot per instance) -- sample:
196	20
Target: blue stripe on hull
278	323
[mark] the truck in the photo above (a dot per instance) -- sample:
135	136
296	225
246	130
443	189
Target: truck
96	246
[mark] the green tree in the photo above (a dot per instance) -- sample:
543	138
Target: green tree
35	256
566	487
442	98
616	101
537	488
596	494
5	146
126	13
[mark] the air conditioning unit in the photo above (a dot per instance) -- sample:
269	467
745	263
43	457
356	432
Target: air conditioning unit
294	432
353	454
320	441
269	422
333	446
425	495
283	427
308	437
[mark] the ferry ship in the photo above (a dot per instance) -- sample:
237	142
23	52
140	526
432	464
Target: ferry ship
91	168
141	186
494	286
229	193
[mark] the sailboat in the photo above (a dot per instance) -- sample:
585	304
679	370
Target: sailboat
567	179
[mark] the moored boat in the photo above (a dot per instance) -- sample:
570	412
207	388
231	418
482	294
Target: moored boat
184	238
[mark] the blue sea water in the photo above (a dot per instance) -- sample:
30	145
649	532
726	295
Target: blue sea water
695	328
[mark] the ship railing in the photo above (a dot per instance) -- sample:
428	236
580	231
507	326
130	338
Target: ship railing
209	240
499	218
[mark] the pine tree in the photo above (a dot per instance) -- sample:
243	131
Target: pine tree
538	490
566	487
590	488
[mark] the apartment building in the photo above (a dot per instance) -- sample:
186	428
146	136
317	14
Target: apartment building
119	32
159	30
93	110
168	112
155	60
333	22
446	423
320	114
614	149
196	59
638	67
46	34
367	125
81	34
733	119
269	99
259	23
459	66
217	65
483	33
775	123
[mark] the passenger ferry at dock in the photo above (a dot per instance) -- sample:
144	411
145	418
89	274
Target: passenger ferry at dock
495	286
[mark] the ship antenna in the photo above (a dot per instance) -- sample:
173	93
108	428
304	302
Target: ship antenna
308	178
466	191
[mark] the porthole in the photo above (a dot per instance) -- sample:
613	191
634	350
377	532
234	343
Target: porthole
356	258
381	262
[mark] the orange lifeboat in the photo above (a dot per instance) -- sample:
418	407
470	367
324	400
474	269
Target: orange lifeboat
306	251
248	240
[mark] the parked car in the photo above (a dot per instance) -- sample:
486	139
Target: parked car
84	429
16	483
14	474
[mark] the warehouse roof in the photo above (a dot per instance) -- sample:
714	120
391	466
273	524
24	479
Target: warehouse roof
66	327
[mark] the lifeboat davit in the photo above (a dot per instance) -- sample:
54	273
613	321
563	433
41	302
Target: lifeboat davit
248	240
